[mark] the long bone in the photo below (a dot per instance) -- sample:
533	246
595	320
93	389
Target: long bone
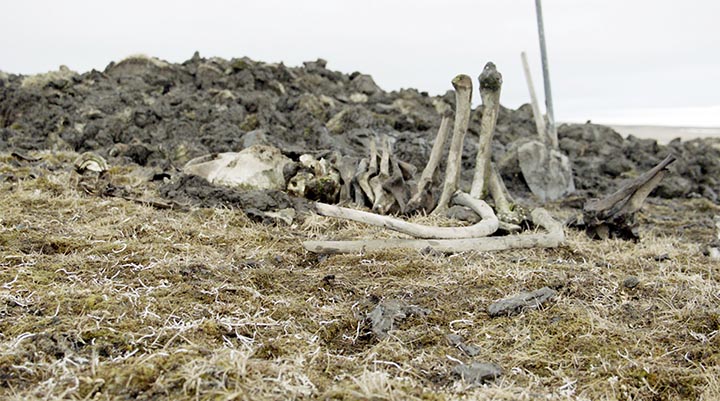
463	96
553	238
426	179
486	178
490	84
485	227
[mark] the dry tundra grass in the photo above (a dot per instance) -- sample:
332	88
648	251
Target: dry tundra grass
104	298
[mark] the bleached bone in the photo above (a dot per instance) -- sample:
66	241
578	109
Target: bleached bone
256	167
486	179
463	96
364	178
485	227
615	214
346	165
426	179
408	170
358	190
553	238
490	84
90	161
630	197
502	198
396	185
383	202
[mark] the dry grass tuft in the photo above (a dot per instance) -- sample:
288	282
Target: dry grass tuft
103	298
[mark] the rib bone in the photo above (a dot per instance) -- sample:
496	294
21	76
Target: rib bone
358	190
396	185
485	227
364	178
383	202
553	238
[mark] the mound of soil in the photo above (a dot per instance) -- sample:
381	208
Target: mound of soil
146	111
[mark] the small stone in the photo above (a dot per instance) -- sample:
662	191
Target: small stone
255	137
631	282
463	213
478	372
359	98
714	253
286	215
456	340
365	84
430	251
386	313
525	300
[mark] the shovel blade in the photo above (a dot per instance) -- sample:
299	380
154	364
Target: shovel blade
547	172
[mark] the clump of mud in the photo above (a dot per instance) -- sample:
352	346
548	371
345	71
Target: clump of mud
146	111
197	191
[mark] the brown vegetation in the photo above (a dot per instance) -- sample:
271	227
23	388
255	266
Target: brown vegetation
107	298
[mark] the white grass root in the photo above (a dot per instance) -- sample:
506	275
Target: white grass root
487	226
553	238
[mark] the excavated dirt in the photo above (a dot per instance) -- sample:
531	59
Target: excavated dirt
146	111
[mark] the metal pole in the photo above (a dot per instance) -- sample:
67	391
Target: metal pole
552	130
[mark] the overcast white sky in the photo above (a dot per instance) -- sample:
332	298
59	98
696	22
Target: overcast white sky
622	61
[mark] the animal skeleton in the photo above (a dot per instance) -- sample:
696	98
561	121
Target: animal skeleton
389	187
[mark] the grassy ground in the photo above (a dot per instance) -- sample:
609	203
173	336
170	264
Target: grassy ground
104	298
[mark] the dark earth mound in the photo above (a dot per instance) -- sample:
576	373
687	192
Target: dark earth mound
157	114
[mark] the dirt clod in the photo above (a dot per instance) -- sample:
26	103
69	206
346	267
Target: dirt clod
523	301
631	282
478	373
386	314
456	340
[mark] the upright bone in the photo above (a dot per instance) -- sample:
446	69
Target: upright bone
423	191
358	189
396	185
463	96
490	84
383	200
363	179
